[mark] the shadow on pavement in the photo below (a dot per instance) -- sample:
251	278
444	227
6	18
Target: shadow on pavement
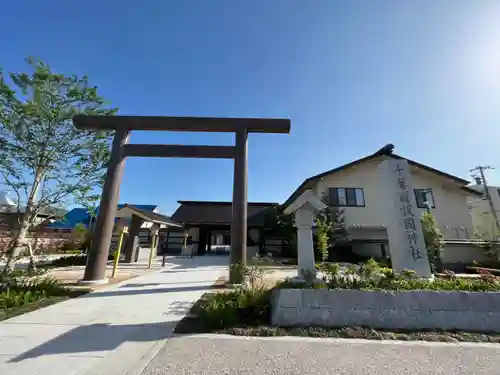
99	337
179	262
119	292
142	285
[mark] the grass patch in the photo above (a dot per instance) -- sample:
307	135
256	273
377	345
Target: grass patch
361	333
372	276
18	296
44	302
68	261
231	308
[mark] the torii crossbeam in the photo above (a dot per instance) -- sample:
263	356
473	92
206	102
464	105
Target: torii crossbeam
121	149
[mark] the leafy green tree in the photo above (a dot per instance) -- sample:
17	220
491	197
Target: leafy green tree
89	199
79	237
280	225
43	157
330	228
433	241
324	228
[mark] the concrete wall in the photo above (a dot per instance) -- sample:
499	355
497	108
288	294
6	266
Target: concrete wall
463	253
46	240
412	310
451	210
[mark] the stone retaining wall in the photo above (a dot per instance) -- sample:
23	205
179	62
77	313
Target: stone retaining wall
48	239
409	310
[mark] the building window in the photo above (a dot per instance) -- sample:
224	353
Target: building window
423	195
346	197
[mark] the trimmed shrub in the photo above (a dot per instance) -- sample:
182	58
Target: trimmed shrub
237	307
73	260
18	292
371	276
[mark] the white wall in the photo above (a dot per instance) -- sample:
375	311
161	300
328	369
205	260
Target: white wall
452	253
463	253
482	218
451	202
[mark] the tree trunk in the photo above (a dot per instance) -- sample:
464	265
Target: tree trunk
19	240
32	264
17	245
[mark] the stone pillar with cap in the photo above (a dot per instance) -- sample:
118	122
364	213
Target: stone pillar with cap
303	209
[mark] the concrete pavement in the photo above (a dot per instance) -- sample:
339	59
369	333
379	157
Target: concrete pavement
221	354
110	331
126	329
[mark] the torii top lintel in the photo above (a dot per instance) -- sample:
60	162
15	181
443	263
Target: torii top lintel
194	124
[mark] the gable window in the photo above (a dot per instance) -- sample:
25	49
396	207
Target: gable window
346	197
423	195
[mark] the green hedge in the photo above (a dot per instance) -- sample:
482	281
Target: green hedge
17	293
236	308
371	276
73	260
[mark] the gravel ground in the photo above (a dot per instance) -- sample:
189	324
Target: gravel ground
219	354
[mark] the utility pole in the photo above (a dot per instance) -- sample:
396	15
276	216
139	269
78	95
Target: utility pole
481	170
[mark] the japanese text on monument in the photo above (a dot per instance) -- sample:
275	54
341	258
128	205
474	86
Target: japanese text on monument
408	214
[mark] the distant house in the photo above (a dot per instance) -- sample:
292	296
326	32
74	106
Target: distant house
10	215
353	188
81	215
483	219
208	226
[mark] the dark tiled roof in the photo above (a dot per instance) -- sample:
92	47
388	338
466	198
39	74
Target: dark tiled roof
202	212
146	207
153	216
384	151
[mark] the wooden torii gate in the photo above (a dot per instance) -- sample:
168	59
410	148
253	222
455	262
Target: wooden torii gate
121	149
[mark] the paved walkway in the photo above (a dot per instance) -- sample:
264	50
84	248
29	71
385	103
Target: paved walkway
220	354
111	331
126	330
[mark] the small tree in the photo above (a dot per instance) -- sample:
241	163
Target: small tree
330	228
44	159
323	231
89	199
280	225
79	237
433	241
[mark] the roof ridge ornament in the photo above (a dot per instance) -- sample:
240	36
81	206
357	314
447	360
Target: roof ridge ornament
386	150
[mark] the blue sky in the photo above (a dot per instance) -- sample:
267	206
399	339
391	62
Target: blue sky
351	75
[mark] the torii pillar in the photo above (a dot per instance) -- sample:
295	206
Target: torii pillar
122	125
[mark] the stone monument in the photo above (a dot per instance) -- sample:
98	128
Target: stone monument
404	230
303	208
